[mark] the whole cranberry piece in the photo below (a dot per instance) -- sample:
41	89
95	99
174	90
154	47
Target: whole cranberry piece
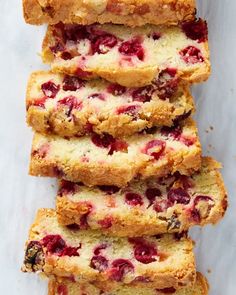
155	148
133	199
194	212
144	252
71	83
143	94
161	205
151	194
102	44
99	263
54	244
66	187
191	55
174	131
131	110
170	290
50	89
109	189
106	222
75	33
196	30
66	55
96	95
167	83
118	146
71	102
156	36
179	196
104	141
116	89
132	47
120	267
70	251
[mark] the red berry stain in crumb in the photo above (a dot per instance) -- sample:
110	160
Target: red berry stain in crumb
143	94
82	73
155	148
144	251
43	150
99	263
103	43
71	83
191	55
132	47
71	102
56	245
170	290
196	30
62	290
106	222
109	189
131	110
179	196
97	96
116	89
152	194
50	89
120	267
66	187
133	199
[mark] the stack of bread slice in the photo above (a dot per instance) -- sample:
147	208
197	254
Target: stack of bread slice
112	121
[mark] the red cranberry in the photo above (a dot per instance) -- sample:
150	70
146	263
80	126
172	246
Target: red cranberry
156	36
40	102
82	73
50	89
66	55
75	32
161	205
170	290
58	47
72	83
99	263
180	235
155	148
106	222
102	44
118	146
71	102
66	187
188	141
179	196
196	30
191	55
62	290
186	182
99	248
167	83
151	194
70	251
120	267
202	198
54	244
131	110
104	141
174	132
96	95
182	117
143	94
109	189
132	47
133	199
116	89
73	226
143	251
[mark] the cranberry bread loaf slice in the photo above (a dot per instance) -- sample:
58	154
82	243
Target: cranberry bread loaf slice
128	12
68	287
87	256
154	206
68	106
129	57
105	160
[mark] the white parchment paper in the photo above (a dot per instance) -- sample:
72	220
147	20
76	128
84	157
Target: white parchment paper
21	195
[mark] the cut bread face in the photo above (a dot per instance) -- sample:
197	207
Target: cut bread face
105	160
87	256
129	57
154	206
127	12
68	106
200	287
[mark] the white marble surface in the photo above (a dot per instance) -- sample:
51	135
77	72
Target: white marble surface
21	194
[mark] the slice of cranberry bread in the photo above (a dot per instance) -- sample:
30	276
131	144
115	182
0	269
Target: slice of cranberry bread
105	160
68	106
87	256
129	57
67	287
128	12
150	207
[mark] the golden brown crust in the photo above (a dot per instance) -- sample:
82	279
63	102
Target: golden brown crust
136	221
157	112
200	287
114	170
161	274
128	12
